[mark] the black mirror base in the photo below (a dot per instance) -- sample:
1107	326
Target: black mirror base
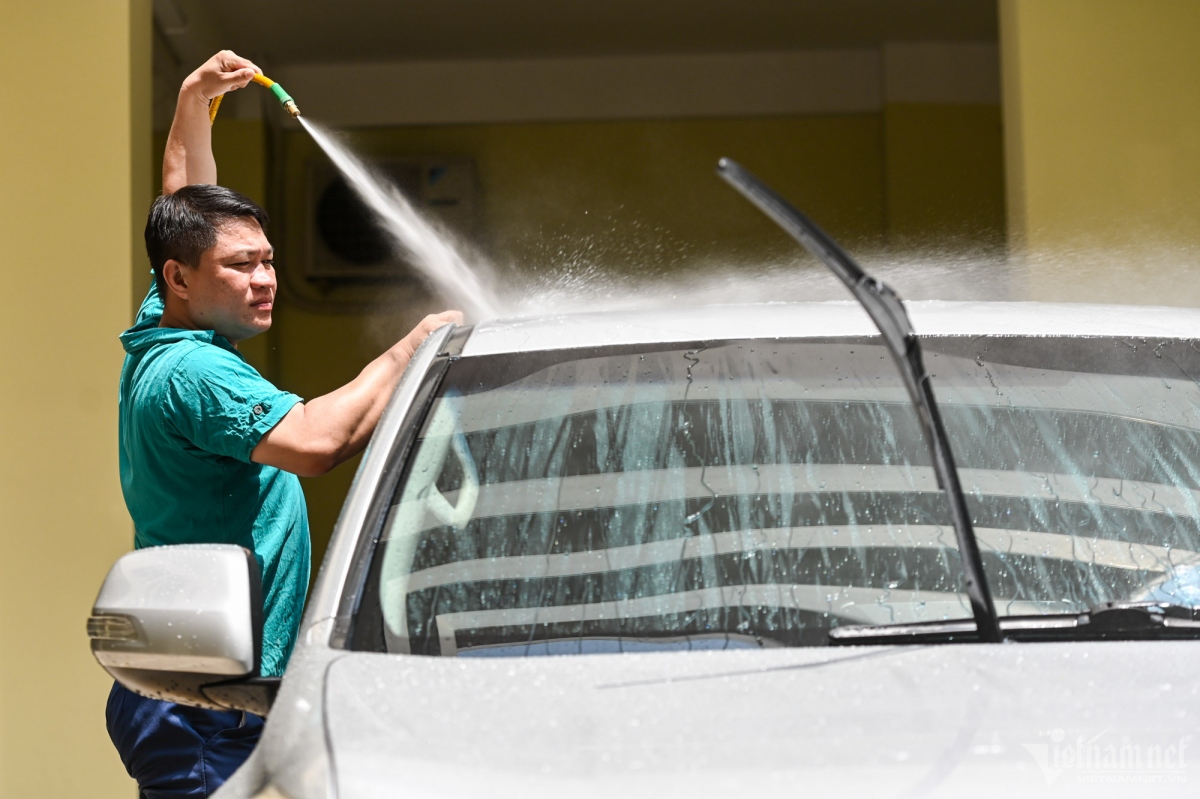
251	694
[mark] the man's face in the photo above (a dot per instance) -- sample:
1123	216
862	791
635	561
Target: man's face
232	289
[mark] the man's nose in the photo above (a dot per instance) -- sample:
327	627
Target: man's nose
263	277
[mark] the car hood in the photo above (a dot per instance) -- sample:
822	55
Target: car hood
975	720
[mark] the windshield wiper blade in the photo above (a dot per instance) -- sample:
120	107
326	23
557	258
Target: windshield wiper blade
1111	621
886	310
1120	621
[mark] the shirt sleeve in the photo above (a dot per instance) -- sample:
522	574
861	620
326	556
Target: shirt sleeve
221	404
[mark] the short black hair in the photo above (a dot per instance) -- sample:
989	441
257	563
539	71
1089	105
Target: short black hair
181	226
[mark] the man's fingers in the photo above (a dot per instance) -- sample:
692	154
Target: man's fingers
434	321
429	324
229	61
230	71
449	316
238	79
224	72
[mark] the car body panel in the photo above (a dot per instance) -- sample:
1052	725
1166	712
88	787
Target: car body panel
945	721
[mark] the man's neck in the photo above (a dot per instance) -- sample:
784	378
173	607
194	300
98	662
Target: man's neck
175	314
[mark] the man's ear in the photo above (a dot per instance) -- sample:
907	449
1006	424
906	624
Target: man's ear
175	275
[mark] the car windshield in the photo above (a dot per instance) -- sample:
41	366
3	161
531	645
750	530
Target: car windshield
760	493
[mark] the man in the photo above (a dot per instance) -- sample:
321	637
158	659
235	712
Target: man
209	450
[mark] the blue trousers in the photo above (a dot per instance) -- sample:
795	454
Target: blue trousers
176	750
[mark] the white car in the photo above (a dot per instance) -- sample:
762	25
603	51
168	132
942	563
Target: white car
711	551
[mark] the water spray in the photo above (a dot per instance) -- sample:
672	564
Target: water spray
434	256
284	98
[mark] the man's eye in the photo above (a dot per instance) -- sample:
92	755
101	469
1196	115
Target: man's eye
269	262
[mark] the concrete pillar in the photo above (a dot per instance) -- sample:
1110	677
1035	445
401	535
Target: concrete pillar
1102	146
74	186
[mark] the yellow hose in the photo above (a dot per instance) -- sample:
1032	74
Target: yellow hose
262	80
213	105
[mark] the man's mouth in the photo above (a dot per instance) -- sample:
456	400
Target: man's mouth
262	305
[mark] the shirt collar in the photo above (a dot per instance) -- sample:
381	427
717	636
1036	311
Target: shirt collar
147	334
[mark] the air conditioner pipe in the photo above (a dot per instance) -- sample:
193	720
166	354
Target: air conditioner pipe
284	98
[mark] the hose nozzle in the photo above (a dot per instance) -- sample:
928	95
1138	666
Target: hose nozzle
283	97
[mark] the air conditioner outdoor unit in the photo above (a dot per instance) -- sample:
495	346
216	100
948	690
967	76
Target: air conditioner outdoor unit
344	241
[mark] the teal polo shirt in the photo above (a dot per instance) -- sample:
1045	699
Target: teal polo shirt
191	411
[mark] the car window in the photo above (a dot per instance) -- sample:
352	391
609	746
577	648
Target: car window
759	493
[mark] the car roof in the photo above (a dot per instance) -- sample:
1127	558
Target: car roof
824	319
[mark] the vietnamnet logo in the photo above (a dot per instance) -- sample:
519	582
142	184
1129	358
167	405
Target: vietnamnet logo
1103	758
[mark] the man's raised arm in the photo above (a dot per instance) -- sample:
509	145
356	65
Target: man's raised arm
188	158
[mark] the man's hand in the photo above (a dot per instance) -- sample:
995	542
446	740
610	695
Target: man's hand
224	72
188	158
413	340
316	436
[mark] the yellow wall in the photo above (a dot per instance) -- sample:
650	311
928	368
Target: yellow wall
1102	139
944	181
74	142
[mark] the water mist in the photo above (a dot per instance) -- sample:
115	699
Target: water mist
470	289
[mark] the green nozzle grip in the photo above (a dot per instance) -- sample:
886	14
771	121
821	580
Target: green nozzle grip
283	97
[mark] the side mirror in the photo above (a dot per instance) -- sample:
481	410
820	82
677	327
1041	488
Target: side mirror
184	624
